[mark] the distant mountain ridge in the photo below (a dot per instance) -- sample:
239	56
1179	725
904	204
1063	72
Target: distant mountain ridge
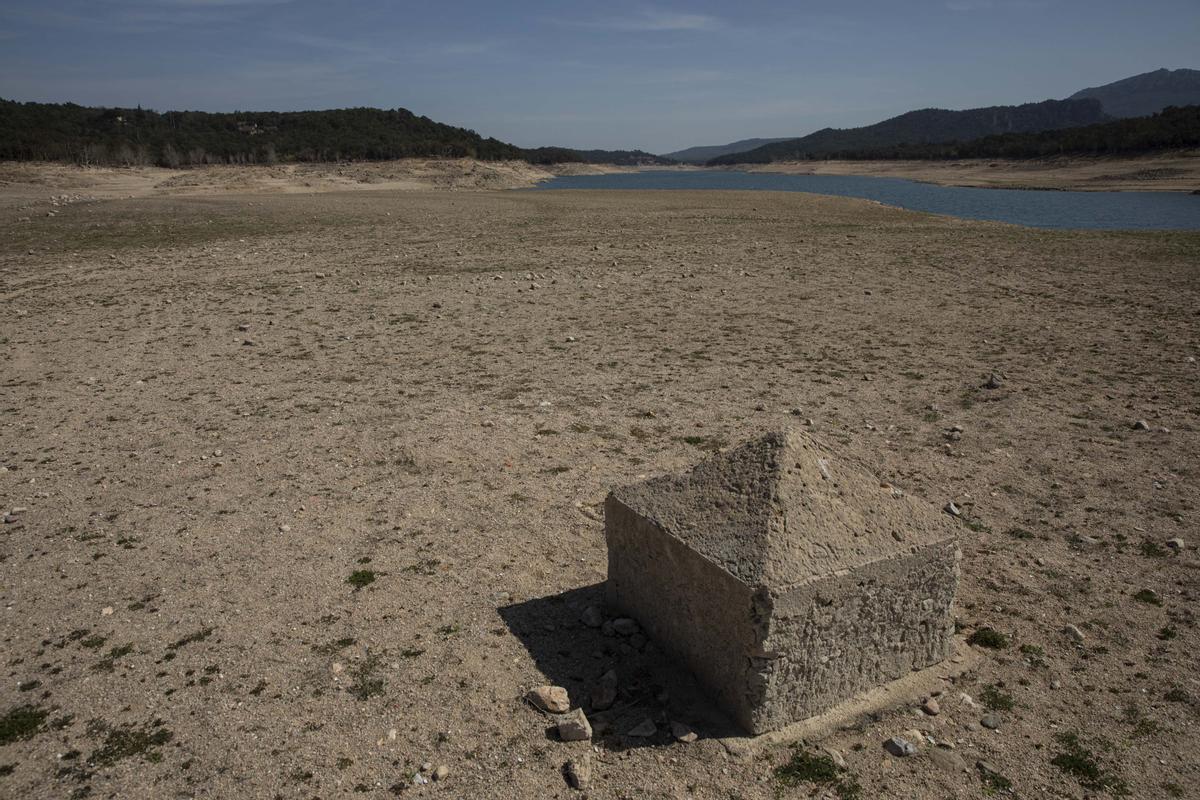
1146	94
703	153
928	125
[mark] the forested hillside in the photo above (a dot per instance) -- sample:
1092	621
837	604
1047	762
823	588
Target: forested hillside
1173	129
925	126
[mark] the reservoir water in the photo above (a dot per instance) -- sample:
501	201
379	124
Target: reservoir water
1038	209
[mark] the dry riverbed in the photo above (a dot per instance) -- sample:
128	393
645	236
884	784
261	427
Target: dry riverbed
302	489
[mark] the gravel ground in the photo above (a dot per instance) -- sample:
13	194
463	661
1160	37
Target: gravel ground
302	489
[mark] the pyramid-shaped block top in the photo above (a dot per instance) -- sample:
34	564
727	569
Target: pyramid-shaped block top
783	510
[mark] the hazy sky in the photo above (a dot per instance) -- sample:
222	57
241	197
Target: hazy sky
615	74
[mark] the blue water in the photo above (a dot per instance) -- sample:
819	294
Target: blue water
1037	209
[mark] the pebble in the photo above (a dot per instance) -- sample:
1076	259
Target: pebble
993	382
931	707
947	760
441	773
1056	684
1141	425
1074	633
625	626
683	733
899	747
574	727
578	772
553	699
1174	544
107	611
643	729
952	510
991	722
835	757
592	617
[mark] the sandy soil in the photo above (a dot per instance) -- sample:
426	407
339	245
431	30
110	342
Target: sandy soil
1178	172
309	483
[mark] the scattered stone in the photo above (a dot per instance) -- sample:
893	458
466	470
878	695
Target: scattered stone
1141	425
441	773
426	766
947	760
592	617
107	611
625	626
552	699
991	722
1056	684
643	729
603	697
931	707
574	727
578	772
1175	544
993	382
899	747
243	327
1074	633
835	757
683	733
953	510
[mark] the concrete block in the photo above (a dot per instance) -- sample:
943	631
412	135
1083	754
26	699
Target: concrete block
786	578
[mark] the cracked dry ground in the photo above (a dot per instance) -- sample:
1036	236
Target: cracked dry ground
303	558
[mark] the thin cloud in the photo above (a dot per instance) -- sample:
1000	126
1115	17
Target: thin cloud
653	21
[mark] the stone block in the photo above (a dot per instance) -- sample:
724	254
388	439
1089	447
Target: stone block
786	578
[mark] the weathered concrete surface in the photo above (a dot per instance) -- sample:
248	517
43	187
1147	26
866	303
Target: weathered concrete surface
786	578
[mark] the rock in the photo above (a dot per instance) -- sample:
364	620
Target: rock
603	697
993	382
426	766
683	733
607	628
947	760
991	722
552	699
931	707
899	747
107	611
441	772
592	617
835	757
952	510
578	772
1074	633
643	729
1055	684
1141	425
1175	544
625	626
574	727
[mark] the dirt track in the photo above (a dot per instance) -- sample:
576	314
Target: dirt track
219	409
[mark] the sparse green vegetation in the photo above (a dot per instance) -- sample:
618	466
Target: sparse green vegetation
126	741
1082	764
360	578
989	638
22	722
994	699
1153	549
365	683
1148	596
806	767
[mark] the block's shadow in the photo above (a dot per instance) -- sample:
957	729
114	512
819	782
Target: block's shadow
650	685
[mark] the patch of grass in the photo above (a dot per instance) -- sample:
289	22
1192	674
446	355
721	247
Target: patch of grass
191	638
1152	549
366	683
1035	653
94	642
22	722
412	652
126	741
976	525
1082	764
994	699
1172	789
1177	695
993	782
360	578
989	638
805	767
1148	596
710	444
1020	533
1166	633
109	662
448	630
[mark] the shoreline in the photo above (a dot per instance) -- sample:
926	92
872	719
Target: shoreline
1173	172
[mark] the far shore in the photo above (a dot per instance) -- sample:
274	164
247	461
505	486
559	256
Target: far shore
1172	172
